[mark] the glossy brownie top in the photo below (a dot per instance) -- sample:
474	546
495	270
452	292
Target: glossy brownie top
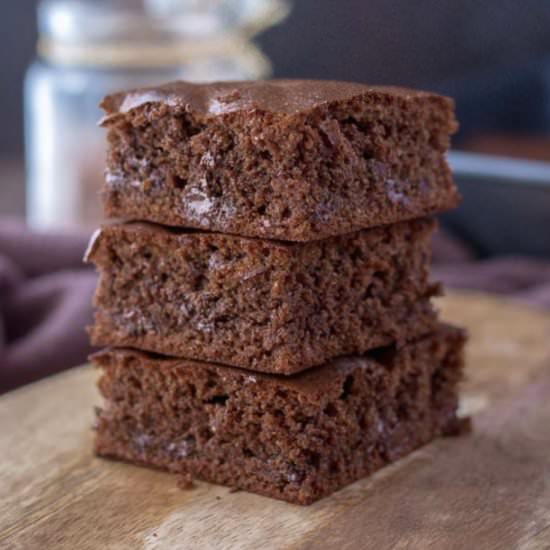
277	96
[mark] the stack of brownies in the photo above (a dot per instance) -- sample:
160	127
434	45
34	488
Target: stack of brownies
269	314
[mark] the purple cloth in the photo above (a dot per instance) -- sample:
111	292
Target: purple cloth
522	278
45	303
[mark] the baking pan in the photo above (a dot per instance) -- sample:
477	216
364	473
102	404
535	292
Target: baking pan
506	204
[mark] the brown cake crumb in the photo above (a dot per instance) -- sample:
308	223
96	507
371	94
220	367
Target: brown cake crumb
283	159
294	438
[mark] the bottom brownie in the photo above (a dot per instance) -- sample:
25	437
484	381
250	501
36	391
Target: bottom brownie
294	438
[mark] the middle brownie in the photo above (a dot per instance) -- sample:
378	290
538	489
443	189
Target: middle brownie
262	305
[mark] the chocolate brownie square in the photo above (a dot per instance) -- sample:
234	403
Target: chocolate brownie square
293	160
262	305
295	438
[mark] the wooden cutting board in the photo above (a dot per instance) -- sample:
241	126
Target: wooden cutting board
487	490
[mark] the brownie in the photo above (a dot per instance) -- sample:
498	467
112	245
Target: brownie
262	305
284	159
294	438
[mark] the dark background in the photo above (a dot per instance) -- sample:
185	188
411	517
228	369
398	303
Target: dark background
488	53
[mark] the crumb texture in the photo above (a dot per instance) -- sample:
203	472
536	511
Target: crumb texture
286	160
296	439
262	305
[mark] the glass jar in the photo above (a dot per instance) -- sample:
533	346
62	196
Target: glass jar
90	48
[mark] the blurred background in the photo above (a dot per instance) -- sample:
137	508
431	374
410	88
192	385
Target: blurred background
59	57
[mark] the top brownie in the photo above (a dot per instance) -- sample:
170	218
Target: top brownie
293	160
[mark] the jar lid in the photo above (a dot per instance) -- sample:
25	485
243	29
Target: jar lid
151	32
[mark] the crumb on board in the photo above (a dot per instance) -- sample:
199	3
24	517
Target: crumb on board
185	482
462	426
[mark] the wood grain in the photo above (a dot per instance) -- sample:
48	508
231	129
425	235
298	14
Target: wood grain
487	490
